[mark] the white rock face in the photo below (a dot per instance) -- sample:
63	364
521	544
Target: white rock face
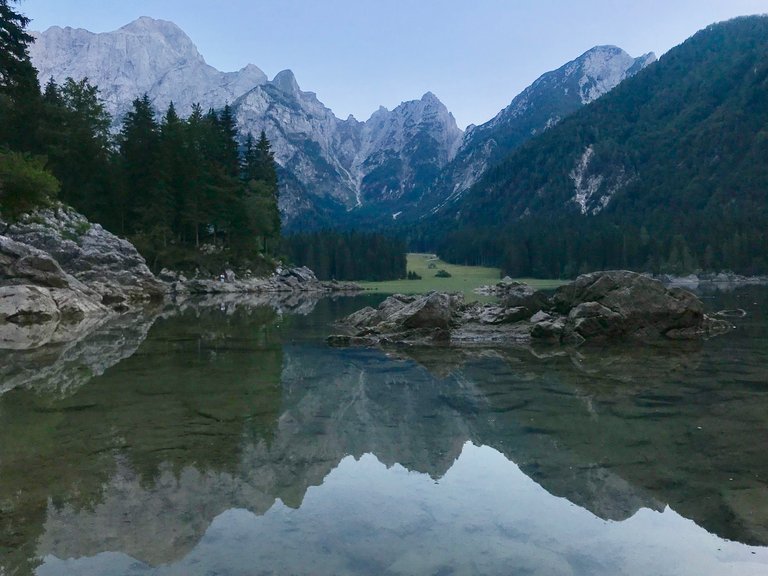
602	68
389	163
146	56
593	191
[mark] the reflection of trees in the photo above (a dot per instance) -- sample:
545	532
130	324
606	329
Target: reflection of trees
198	388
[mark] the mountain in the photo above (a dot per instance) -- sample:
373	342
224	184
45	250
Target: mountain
540	106
146	56
667	172
329	166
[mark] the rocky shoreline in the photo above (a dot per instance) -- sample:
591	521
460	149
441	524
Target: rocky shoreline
61	276
598	307
301	280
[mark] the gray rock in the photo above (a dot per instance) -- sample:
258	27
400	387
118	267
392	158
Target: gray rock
540	316
491	314
551	330
603	306
108	265
591	319
400	318
436	310
24	305
34	290
645	306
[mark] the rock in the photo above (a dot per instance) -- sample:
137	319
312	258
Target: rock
646	307
514	294
283	280
591	320
603	306
168	275
550	330
540	316
23	305
108	265
402	318
500	315
35	290
436	310
519	294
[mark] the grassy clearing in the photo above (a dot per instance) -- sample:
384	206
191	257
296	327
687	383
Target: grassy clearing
463	278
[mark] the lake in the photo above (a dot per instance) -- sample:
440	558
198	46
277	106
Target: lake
226	438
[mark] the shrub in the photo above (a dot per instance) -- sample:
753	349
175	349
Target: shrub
25	184
443	274
413	276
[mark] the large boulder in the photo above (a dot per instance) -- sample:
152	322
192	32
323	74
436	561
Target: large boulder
402	318
108	265
616	304
23	305
39	301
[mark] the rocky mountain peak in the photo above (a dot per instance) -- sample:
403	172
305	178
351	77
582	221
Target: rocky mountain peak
601	68
286	82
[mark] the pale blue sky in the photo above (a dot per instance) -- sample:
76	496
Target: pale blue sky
475	55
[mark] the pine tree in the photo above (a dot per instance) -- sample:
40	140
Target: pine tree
20	99
14	46
138	154
260	174
78	144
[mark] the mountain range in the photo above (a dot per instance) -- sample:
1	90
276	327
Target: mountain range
400	163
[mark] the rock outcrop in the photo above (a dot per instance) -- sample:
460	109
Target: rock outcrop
60	276
40	302
108	265
602	307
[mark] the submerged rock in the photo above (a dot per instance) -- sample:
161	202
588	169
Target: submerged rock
602	306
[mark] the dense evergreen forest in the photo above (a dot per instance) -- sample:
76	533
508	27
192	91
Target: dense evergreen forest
673	174
348	255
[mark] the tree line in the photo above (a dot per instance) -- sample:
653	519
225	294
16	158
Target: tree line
348	255
186	191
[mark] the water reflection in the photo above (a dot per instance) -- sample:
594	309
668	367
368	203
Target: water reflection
232	440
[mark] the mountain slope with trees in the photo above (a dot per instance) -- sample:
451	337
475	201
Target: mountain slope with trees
667	172
552	97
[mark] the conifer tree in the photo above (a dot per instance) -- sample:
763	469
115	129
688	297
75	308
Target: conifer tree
138	155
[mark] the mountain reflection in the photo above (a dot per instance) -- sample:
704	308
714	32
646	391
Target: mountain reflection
234	425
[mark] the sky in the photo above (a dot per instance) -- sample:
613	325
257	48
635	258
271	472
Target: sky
475	55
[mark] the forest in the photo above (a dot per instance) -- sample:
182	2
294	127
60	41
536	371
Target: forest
348	255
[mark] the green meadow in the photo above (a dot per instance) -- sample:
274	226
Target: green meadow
463	278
